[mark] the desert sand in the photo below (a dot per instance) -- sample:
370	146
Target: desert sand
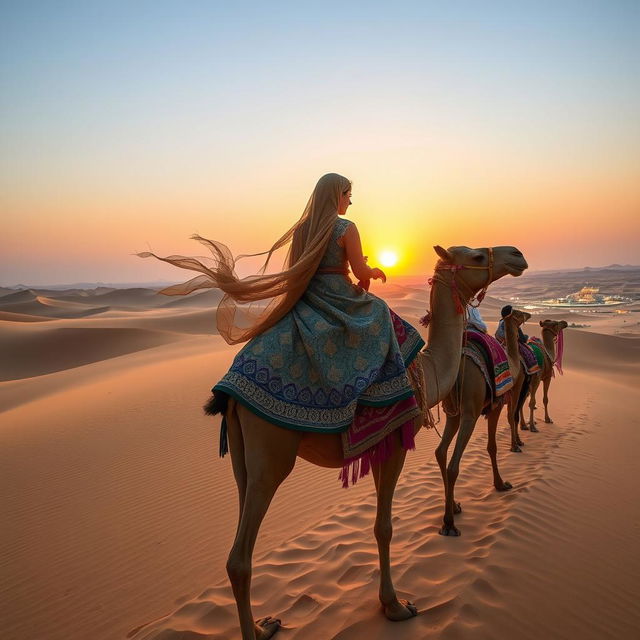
117	514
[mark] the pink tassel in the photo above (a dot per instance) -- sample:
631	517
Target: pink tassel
360	466
408	438
344	476
365	464
355	469
560	351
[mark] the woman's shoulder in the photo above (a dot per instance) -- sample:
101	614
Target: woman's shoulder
342	224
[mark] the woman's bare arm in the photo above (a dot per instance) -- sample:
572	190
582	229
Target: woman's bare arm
359	267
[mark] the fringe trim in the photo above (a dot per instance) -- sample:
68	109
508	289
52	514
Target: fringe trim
360	466
418	383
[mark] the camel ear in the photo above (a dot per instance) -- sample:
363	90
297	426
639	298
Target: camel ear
443	253
542	323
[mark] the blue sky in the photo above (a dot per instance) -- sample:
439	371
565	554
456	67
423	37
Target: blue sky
127	103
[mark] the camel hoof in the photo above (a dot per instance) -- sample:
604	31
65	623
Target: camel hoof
548	420
400	610
457	507
449	530
524	427
505	486
516	449
266	627
534	429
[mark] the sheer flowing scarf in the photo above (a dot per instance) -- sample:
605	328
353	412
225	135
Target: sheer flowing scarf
251	305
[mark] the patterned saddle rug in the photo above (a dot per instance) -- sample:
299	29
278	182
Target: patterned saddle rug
529	359
490	357
369	438
536	346
495	359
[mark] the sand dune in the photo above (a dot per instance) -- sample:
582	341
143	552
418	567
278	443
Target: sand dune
33	353
31	303
208	299
9	316
118	515
484	583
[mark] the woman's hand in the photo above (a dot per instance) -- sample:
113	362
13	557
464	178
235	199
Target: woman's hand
378	274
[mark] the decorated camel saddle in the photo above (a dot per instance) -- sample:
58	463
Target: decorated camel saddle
370	437
535	344
543	354
529	359
490	357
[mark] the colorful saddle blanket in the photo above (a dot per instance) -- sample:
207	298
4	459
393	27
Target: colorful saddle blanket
538	350
495	358
368	439
529	359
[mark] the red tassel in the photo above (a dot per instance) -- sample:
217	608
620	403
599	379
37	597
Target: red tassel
408	437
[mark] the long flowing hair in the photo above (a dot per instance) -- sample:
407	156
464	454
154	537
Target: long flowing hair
251	305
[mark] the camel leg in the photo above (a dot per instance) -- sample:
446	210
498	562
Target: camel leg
492	448
512	416
545	398
467	424
236	449
450	430
385	477
269	456
523	423
535	381
522	395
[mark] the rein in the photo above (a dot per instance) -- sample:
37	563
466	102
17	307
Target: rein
456	287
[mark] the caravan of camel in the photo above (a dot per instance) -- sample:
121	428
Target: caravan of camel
264	454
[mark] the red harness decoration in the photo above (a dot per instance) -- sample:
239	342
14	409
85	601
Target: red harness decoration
455	286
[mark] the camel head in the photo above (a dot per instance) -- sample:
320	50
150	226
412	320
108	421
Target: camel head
475	269
554	326
520	317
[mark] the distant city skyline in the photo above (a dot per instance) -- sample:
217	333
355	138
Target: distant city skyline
127	126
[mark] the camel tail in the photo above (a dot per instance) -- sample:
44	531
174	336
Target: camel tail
218	404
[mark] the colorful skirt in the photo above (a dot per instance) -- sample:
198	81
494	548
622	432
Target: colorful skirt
339	349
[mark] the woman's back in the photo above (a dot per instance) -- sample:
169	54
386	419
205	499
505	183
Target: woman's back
335	255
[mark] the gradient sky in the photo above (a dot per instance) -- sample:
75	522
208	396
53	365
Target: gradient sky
125	126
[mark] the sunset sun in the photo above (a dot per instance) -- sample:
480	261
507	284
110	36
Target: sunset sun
388	258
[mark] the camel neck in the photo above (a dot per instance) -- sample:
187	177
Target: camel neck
511	340
548	339
441	358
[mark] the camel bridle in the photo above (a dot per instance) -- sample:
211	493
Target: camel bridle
459	288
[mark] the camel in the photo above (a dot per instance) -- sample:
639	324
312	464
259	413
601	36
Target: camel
264	454
468	399
550	332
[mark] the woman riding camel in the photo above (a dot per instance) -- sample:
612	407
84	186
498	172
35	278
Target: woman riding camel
319	346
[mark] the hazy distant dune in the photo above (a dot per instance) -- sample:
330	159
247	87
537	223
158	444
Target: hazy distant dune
48	307
9	316
209	298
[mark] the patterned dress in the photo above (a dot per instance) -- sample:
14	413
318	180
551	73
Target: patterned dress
335	350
